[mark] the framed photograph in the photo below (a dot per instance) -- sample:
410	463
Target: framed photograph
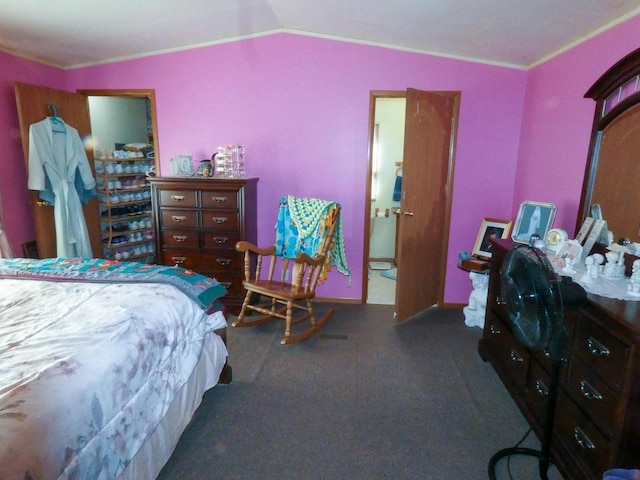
490	228
569	254
533	218
584	230
594	236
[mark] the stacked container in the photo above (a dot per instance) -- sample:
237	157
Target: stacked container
229	161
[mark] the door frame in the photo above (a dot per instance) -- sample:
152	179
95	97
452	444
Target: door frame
373	96
78	111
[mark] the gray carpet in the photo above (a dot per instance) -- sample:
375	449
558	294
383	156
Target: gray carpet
367	399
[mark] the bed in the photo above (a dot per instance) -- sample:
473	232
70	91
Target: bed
102	365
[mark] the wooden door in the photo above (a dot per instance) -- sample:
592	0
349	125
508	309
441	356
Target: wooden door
427	184
32	103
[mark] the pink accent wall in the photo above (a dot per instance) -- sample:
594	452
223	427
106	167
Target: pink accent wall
300	105
557	124
14	197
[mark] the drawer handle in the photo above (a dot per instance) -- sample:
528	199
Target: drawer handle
179	260
500	301
597	349
221	239
220	219
589	392
515	357
494	330
180	238
226	285
177	198
582	439
541	388
179	218
219	199
223	261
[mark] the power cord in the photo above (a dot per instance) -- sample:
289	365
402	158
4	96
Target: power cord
520	442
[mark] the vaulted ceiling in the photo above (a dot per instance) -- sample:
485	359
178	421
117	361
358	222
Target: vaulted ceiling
519	33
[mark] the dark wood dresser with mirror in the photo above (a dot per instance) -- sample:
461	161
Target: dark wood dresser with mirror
597	422
597	418
198	222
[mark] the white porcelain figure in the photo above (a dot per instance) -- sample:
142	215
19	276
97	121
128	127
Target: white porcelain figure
475	310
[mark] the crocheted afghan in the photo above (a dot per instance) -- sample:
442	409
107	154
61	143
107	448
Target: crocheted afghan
301	227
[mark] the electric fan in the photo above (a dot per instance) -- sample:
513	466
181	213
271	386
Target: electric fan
535	297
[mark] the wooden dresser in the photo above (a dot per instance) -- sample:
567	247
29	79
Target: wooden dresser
597	421
198	222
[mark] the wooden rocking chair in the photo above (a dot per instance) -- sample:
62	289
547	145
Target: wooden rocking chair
289	284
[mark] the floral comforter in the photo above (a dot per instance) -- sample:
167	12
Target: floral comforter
87	371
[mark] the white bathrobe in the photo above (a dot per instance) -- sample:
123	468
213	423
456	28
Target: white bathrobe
57	156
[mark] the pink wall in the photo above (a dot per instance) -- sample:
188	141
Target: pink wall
300	105
557	124
14	199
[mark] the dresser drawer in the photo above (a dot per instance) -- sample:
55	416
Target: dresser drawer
232	282
509	352
225	260
538	385
179	218
598	400
586	444
605	354
223	220
180	238
219	199
220	239
494	299
178	198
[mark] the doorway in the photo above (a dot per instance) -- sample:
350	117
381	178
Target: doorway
419	200
387	152
33	102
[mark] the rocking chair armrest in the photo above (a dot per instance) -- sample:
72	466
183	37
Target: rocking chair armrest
243	246
304	258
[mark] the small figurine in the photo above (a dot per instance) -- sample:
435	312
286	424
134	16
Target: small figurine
634	282
598	260
612	261
589	276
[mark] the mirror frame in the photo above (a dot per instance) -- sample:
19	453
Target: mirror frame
150	95
602	90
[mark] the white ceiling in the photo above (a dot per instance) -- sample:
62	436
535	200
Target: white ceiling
70	33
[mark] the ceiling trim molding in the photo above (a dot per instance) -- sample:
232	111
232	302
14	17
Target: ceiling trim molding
584	38
291	32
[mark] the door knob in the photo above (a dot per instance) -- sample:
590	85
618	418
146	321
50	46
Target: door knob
408	214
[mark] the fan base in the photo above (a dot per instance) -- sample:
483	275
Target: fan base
543	463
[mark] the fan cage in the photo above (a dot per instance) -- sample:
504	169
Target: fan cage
530	288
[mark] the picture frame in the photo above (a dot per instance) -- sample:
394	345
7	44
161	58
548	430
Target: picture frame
533	218
584	230
490	228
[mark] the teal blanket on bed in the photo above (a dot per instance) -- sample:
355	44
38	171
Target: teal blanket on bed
205	291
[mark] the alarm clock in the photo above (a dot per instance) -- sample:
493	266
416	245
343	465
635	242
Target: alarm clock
556	237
